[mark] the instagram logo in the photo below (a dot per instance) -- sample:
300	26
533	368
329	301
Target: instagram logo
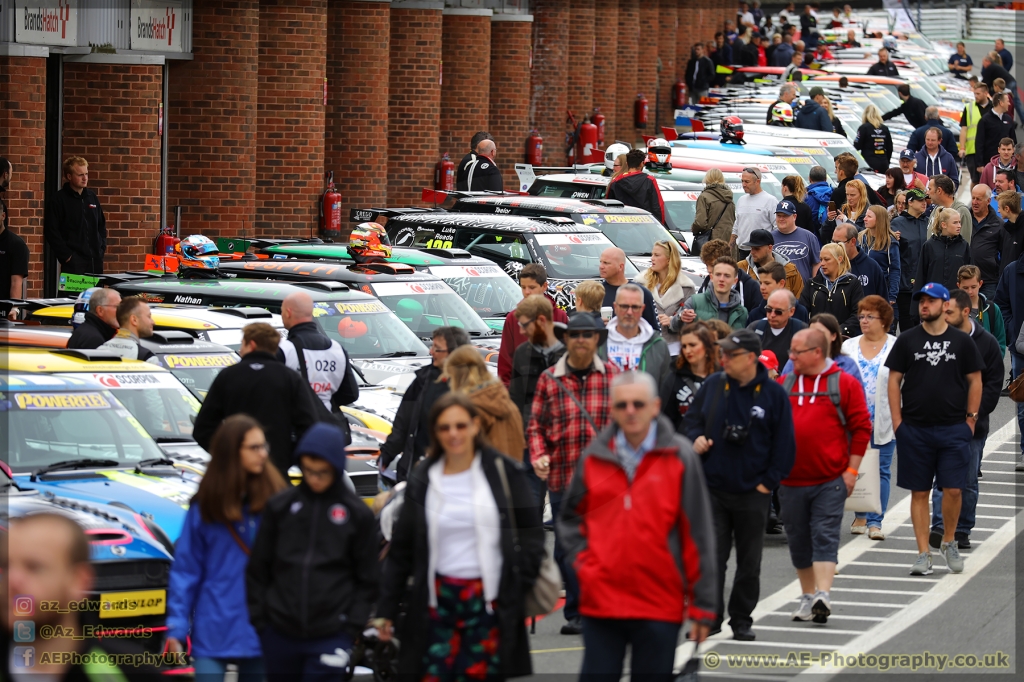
24	605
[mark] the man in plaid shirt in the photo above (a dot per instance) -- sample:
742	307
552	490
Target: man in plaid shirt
559	430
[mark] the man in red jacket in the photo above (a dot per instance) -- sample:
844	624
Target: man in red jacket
533	279
637	525
830	443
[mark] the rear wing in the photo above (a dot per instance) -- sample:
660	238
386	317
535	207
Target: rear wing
437	197
370	215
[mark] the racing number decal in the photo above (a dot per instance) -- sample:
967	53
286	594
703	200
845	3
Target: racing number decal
325	365
439	244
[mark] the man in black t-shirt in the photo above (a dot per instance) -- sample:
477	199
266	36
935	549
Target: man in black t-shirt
13	263
469	161
935	396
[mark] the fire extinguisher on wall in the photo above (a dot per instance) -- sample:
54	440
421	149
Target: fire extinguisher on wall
330	210
444	174
163	245
534	149
587	150
678	95
598	120
640	112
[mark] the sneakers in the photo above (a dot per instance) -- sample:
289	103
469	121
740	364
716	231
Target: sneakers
822	607
923	565
803	612
963	540
1020	463
951	554
935	538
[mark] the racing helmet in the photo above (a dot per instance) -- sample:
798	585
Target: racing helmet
351	329
782	112
82	306
368	242
659	152
890	43
197	255
732	128
612	152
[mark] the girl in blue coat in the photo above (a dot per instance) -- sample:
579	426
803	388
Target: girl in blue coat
882	246
207	587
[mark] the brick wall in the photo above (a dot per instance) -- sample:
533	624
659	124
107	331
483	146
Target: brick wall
667	44
414	98
110	119
647	60
290	116
606	38
465	85
626	69
22	142
580	73
212	122
551	20
355	145
509	120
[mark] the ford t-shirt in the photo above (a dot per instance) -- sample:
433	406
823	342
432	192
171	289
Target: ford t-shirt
801	247
935	370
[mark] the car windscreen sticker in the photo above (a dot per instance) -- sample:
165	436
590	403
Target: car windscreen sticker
137	380
172	490
795	159
449	271
831	143
61	401
199	361
348	307
685	196
574	238
777	168
618	218
421	288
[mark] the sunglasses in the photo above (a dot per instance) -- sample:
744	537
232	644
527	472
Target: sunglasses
775	311
457	426
581	334
632	307
623	404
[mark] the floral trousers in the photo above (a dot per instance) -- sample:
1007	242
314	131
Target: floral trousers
463	640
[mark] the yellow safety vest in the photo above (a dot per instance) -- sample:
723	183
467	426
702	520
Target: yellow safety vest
973	116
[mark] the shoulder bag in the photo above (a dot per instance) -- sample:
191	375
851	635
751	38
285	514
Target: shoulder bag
542	597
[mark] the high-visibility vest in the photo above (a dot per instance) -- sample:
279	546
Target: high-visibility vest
973	116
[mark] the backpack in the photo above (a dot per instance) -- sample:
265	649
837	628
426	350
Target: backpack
832	392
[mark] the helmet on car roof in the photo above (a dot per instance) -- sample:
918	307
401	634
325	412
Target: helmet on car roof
368	242
612	152
732	128
197	255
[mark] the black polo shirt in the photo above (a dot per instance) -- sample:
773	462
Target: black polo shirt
13	261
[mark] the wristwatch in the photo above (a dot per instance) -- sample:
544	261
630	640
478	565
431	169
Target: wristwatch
972	415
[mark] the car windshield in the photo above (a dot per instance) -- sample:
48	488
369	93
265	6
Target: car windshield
570	190
426	305
577	255
487	288
196	371
366	329
633	233
45	428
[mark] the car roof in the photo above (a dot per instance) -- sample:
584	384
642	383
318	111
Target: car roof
165	341
664	184
70	360
183	290
36	336
180	316
19	381
552	204
339	272
399	254
495	222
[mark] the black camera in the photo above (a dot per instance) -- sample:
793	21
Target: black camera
736	434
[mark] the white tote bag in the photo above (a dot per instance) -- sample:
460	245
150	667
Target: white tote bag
867	493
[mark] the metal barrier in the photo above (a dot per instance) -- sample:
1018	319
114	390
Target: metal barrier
956	23
989	24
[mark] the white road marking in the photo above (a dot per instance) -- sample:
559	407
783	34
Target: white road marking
874	591
831	618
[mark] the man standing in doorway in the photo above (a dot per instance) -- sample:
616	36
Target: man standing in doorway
74	225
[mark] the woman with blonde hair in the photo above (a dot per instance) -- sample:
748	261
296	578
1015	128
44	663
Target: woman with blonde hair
899	205
856	203
669	286
837	125
835	290
715	212
873	140
502	424
944	253
619	166
882	246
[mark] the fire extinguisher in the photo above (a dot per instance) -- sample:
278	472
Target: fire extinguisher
598	120
679	95
163	245
587	150
640	112
535	149
444	174
330	210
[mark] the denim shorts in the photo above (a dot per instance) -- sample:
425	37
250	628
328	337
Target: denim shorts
813	518
927	454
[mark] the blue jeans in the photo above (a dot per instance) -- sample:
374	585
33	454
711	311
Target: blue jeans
572	587
1018	108
213	669
605	639
309	660
885	475
969	495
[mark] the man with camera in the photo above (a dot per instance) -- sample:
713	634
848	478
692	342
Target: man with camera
741	425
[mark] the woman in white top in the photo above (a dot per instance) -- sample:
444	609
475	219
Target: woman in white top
870	350
669	286
462	556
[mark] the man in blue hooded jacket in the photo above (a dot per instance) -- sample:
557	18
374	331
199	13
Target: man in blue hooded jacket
812	114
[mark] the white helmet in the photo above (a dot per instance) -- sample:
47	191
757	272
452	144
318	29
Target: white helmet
612	152
658	142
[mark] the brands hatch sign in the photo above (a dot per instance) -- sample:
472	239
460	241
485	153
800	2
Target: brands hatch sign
156	25
46	22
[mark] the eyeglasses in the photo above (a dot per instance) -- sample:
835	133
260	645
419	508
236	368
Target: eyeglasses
623	404
799	351
865	318
524	325
843	241
257	448
616	165
435	349
457	426
632	307
577	334
775	311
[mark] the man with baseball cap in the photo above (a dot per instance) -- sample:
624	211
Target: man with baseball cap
798	245
813	115
908	162
741	415
762	255
934	395
911	227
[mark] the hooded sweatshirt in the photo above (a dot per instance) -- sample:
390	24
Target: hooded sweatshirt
647	351
872	278
707	306
941	259
638	189
313	568
823	444
915	232
813	116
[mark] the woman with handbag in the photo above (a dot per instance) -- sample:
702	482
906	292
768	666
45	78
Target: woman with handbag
869	351
715	212
464	554
207	598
